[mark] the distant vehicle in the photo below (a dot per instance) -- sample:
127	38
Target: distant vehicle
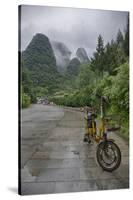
45	102
42	100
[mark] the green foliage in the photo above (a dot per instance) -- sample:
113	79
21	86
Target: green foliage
73	67
39	51
25	79
114	57
39	75
86	76
100	46
40	91
119	38
119	92
107	74
97	62
39	65
25	99
125	129
126	40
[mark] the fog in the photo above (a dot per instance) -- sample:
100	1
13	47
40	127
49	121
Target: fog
73	26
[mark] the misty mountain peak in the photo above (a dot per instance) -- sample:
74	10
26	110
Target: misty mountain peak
39	51
62	54
39	60
73	67
82	55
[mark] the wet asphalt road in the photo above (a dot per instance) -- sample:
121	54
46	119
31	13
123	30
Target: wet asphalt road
55	159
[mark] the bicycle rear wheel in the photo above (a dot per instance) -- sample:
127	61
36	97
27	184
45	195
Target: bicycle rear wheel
108	155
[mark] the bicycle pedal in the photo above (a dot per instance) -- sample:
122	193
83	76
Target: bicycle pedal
85	140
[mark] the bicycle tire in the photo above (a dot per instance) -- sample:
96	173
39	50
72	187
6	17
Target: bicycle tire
101	149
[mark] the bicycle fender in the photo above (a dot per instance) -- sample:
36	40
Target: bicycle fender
110	140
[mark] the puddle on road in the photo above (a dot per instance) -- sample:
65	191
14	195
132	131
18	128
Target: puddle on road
76	152
40	156
27	121
27	175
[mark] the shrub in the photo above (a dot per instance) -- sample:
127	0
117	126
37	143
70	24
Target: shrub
25	100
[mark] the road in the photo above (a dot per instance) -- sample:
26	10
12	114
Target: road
54	158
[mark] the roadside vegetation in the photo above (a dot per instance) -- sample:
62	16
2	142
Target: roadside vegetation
106	74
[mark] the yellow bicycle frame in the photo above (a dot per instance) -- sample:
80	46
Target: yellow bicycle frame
91	131
97	135
101	128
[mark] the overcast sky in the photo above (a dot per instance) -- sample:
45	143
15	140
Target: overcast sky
73	26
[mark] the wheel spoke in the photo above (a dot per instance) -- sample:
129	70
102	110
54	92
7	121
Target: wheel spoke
108	156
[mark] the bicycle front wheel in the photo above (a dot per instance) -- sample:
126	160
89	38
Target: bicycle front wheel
108	155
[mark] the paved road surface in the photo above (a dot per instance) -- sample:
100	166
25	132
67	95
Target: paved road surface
55	159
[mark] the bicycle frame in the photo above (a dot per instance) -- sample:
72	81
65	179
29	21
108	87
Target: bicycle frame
105	145
102	129
102	132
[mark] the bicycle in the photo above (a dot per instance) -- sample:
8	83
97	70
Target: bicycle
108	154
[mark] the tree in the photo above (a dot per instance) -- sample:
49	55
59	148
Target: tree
26	81
86	76
97	62
25	99
100	46
114	55
126	39
119	91
119	38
